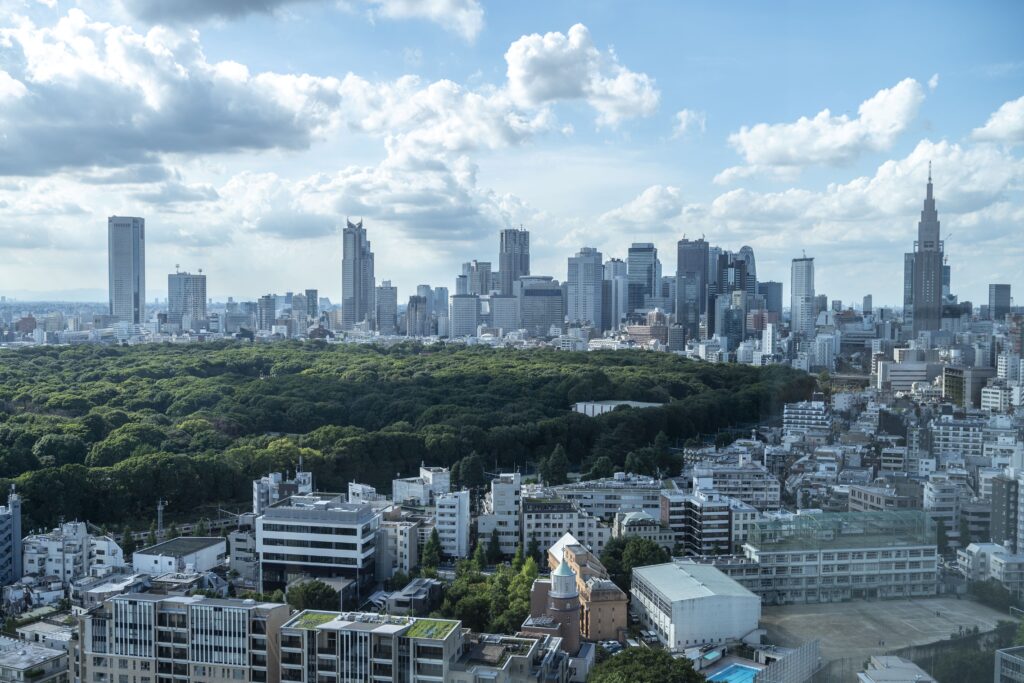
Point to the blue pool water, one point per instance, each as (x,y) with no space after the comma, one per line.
(735,673)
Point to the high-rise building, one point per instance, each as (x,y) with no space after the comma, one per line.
(505,313)
(772,293)
(357,279)
(867,307)
(465,317)
(10,540)
(998,301)
(266,312)
(747,256)
(586,271)
(417,317)
(428,295)
(642,267)
(386,302)
(126,268)
(478,277)
(540,306)
(925,269)
(441,301)
(186,299)
(801,291)
(313,305)
(614,294)
(692,283)
(513,257)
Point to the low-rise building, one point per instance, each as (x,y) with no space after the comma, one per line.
(274,488)
(603,605)
(70,552)
(422,489)
(888,669)
(548,519)
(689,605)
(193,553)
(453,522)
(620,493)
(1010,665)
(643,525)
(746,481)
(21,661)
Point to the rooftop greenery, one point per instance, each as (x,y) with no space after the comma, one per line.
(436,629)
(310,620)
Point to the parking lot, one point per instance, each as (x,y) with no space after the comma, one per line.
(854,629)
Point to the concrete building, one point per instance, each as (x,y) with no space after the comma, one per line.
(357,276)
(548,519)
(505,313)
(10,540)
(319,536)
(555,607)
(501,511)
(69,553)
(513,258)
(541,308)
(585,275)
(690,604)
(273,488)
(186,300)
(453,523)
(888,669)
(392,649)
(400,551)
(422,489)
(801,308)
(465,317)
(999,301)
(126,268)
(605,498)
(603,605)
(153,637)
(806,417)
(748,482)
(643,525)
(386,302)
(27,662)
(1010,665)
(706,521)
(191,553)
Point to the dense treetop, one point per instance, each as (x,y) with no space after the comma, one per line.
(100,433)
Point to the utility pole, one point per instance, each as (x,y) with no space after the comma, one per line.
(160,504)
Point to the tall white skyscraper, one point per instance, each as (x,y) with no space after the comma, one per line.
(186,299)
(357,279)
(126,268)
(801,286)
(586,272)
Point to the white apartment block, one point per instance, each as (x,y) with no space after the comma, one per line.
(548,519)
(401,551)
(423,489)
(707,522)
(964,437)
(453,523)
(806,416)
(30,663)
(997,398)
(358,646)
(148,638)
(985,561)
(70,553)
(621,493)
(501,512)
(318,535)
(748,482)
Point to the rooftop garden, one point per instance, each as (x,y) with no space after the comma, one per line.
(310,620)
(435,629)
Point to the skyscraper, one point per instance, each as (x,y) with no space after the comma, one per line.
(747,256)
(126,268)
(691,284)
(441,301)
(186,299)
(513,257)
(478,277)
(386,301)
(417,317)
(925,265)
(772,293)
(266,312)
(642,267)
(357,280)
(465,316)
(586,272)
(313,305)
(998,301)
(801,291)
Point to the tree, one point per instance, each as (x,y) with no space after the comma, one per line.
(173,531)
(602,468)
(518,558)
(555,468)
(201,528)
(494,553)
(313,595)
(533,550)
(127,541)
(471,471)
(432,550)
(621,555)
(644,665)
(480,556)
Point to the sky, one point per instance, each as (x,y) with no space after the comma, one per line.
(247,131)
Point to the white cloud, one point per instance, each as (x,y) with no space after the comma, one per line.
(10,87)
(688,120)
(558,66)
(464,17)
(829,139)
(933,82)
(1006,124)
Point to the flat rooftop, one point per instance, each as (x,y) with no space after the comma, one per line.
(182,546)
(22,656)
(688,581)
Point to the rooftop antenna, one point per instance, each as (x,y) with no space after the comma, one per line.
(176,268)
(929,171)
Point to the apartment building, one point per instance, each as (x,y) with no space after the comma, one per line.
(26,662)
(806,417)
(621,493)
(501,512)
(422,489)
(70,552)
(319,536)
(879,498)
(274,488)
(643,525)
(349,646)
(400,550)
(746,481)
(705,521)
(547,519)
(10,539)
(453,522)
(149,638)
(963,437)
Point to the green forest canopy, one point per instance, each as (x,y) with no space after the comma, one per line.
(100,433)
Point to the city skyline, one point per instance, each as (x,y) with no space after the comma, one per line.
(637,142)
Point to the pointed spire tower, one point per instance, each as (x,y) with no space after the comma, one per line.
(923,269)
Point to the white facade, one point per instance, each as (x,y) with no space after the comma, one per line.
(748,482)
(453,522)
(126,263)
(422,490)
(546,520)
(70,553)
(801,309)
(501,511)
(273,488)
(621,493)
(586,272)
(195,553)
(690,604)
(465,317)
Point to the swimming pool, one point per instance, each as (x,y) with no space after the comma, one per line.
(735,673)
